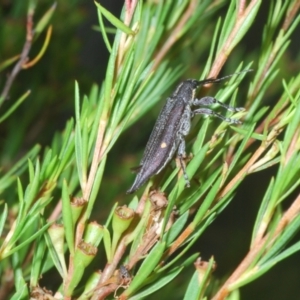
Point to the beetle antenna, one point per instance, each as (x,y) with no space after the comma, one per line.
(217,80)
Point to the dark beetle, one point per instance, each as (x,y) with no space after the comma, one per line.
(172,125)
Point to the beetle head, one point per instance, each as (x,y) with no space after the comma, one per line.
(192,83)
(186,90)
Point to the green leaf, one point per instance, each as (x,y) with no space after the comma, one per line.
(176,228)
(240,150)
(199,281)
(207,184)
(68,218)
(44,21)
(107,244)
(103,31)
(14,106)
(96,187)
(264,206)
(160,282)
(281,242)
(28,241)
(113,20)
(211,196)
(78,138)
(54,255)
(37,262)
(3,218)
(245,25)
(146,268)
(6,63)
(191,169)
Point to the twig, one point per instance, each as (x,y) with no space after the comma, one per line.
(23,58)
(244,171)
(241,7)
(291,15)
(227,47)
(43,50)
(130,6)
(86,190)
(292,147)
(176,34)
(99,150)
(286,219)
(109,270)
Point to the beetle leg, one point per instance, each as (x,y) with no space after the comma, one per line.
(209,112)
(181,155)
(206,101)
(185,125)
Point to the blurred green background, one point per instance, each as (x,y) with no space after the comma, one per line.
(77,52)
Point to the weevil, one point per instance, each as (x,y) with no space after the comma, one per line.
(124,276)
(173,124)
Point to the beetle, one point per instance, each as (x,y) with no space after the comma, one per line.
(173,124)
(124,276)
